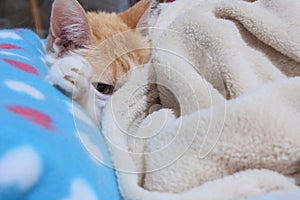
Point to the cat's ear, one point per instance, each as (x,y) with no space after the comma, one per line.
(69,27)
(133,15)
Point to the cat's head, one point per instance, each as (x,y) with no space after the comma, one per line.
(109,41)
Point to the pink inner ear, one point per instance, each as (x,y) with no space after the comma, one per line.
(69,26)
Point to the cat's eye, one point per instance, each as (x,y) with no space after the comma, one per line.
(104,88)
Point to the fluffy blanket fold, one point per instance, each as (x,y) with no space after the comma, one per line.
(226,73)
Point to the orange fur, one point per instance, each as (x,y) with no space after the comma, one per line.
(110,40)
(114,44)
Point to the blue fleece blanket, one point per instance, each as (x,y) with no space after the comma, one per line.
(41,151)
(42,155)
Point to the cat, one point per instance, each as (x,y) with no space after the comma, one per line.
(94,51)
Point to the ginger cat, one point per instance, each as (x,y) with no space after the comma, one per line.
(94,51)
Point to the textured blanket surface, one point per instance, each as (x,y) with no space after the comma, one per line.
(226,73)
(45,138)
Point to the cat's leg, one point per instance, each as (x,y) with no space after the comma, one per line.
(71,75)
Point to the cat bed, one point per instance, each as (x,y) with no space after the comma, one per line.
(49,147)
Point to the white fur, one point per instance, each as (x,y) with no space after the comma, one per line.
(72,73)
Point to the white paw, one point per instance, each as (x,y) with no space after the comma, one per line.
(71,74)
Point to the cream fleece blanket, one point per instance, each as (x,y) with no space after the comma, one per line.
(226,74)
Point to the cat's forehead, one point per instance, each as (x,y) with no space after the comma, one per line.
(105,25)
